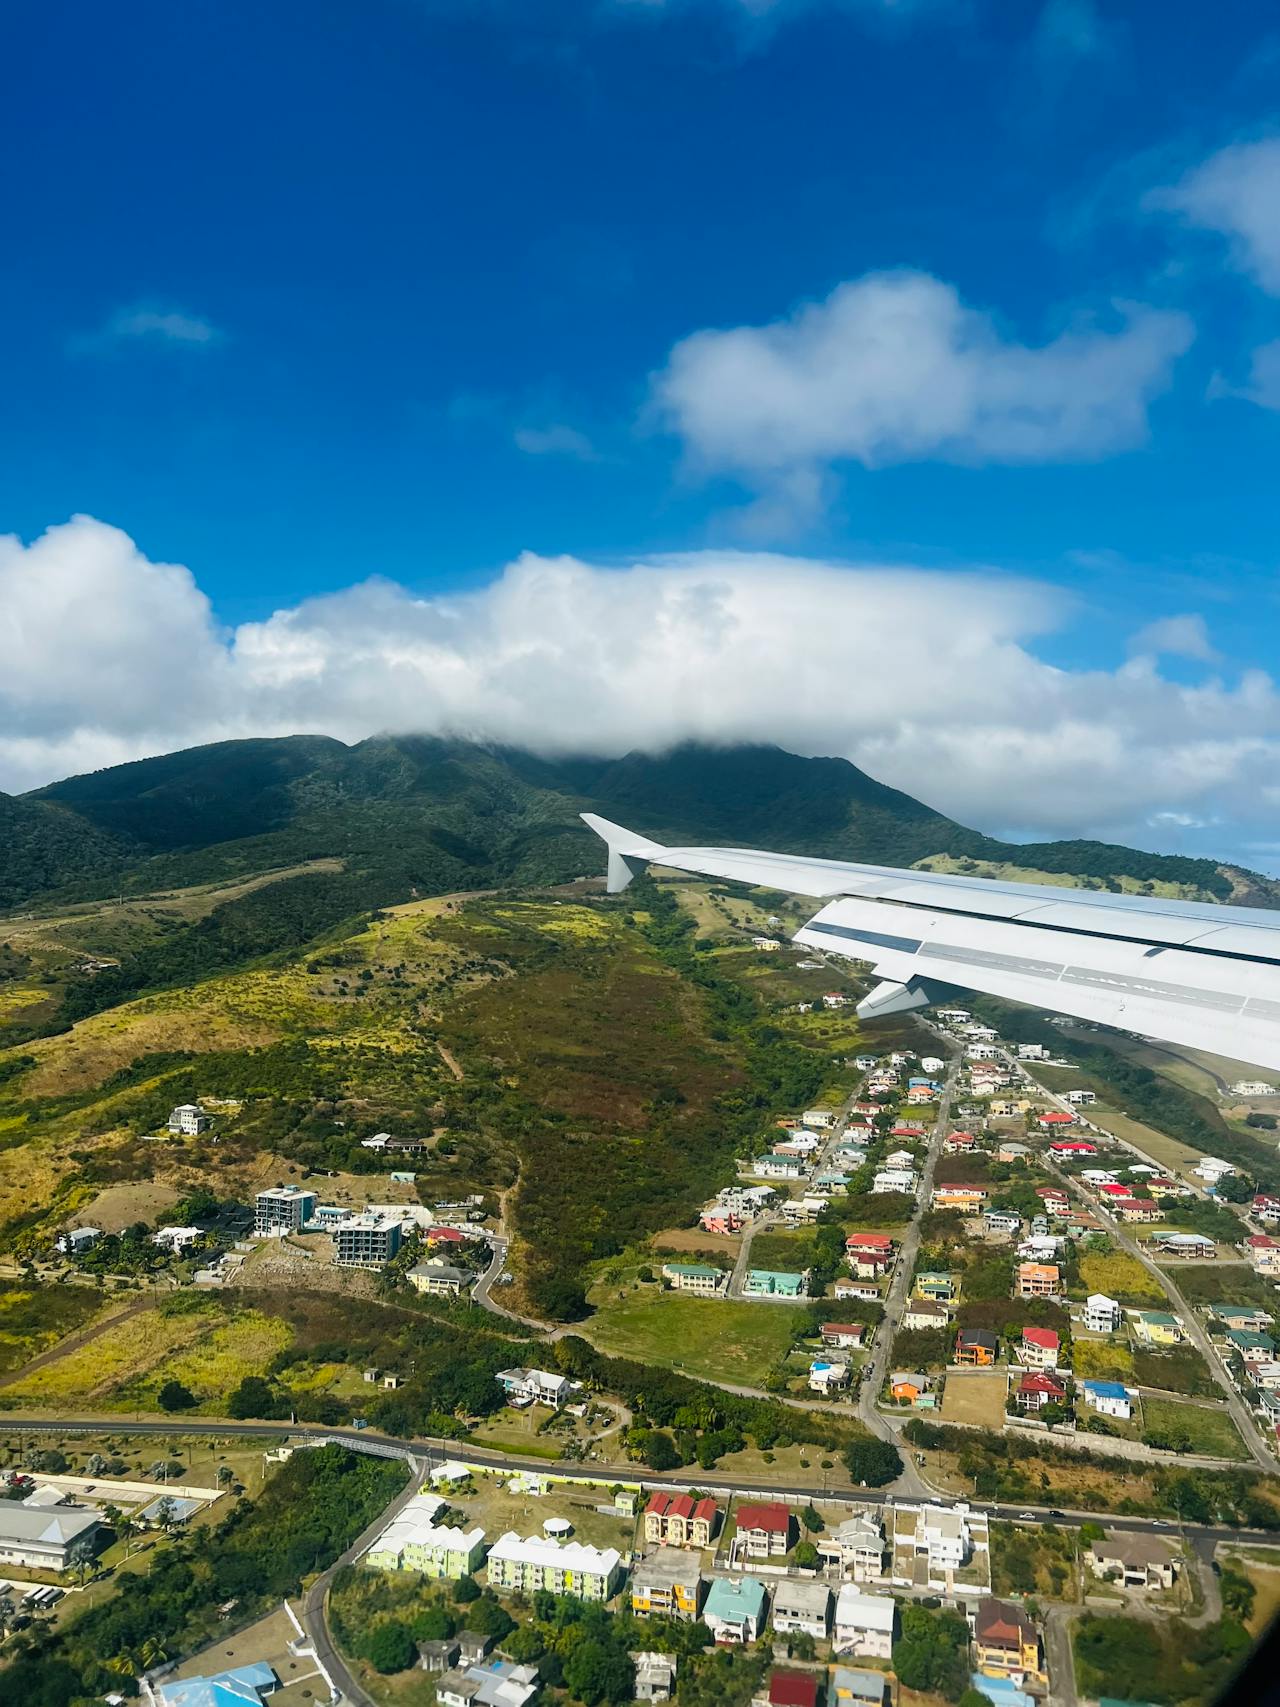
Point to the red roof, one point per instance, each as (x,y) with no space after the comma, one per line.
(1262,1242)
(793,1689)
(1116,1190)
(445,1235)
(858,1328)
(680,1505)
(868,1242)
(771,1516)
(1050,1191)
(1038,1383)
(1043,1337)
(1057,1117)
(1073,1147)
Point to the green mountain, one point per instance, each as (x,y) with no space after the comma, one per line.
(417,813)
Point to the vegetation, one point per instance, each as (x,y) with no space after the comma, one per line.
(307,1513)
(1141,1660)
(932,1652)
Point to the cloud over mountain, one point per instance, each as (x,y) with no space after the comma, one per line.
(930,681)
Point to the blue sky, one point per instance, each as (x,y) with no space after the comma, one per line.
(303,295)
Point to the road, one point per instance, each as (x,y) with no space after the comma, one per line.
(878,1365)
(428,1451)
(1241,1415)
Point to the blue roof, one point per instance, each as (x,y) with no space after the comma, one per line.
(1106,1389)
(1001,1690)
(725,1599)
(242,1686)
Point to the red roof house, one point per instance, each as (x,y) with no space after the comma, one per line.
(445,1236)
(1039,1348)
(1057,1117)
(868,1242)
(793,1689)
(1037,1390)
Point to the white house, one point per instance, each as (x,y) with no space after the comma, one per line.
(539,1384)
(863,1624)
(1109,1398)
(46,1537)
(855,1547)
(894,1180)
(932,1064)
(1212,1168)
(1101,1314)
(78,1240)
(189,1119)
(826,1377)
(176,1238)
(1080,1099)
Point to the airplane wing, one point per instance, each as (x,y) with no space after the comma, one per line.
(1184,971)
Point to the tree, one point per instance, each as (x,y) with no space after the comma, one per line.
(660,1451)
(873,1463)
(489,1617)
(597,1671)
(811,1519)
(805,1555)
(433,1624)
(252,1398)
(465,1590)
(173,1396)
(389,1647)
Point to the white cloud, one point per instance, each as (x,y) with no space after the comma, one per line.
(893,367)
(557,439)
(149,325)
(929,680)
(1176,637)
(1235,192)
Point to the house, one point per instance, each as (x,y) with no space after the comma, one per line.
(1012,1152)
(855,1547)
(238,1686)
(788,1689)
(666,1584)
(735,1609)
(1054,1118)
(764,1528)
(1040,1247)
(1265,1376)
(940,1288)
(534,1384)
(850,1688)
(848,1335)
(800,1143)
(437,1656)
(921,1094)
(1006,1642)
(177,1239)
(1253,1347)
(366,1241)
(562,1567)
(1104,1177)
(1039,1348)
(1051,1196)
(899,1159)
(1263,1252)
(189,1119)
(776,1167)
(856,1289)
(1101,1314)
(967,1199)
(773,1283)
(717,1219)
(820,1118)
(678,1520)
(766,944)
(826,1377)
(1033,1052)
(801,1607)
(693,1277)
(1137,1209)
(1265,1208)
(1111,1188)
(959,1143)
(1241,1316)
(863,1624)
(491,1683)
(976,1348)
(1001,1221)
(835,999)
(1037,1280)
(1108,1398)
(1186,1245)
(894,1180)
(1080,1099)
(47,1537)
(1067,1149)
(78,1240)
(880,1243)
(1156,1327)
(1039,1389)
(907,1386)
(932,1542)
(655,1676)
(1211,1169)
(921,1315)
(1138,1561)
(438,1279)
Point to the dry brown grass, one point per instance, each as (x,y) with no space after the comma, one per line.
(975,1399)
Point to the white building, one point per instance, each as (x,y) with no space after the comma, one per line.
(826,1377)
(189,1119)
(855,1548)
(863,1624)
(535,1384)
(801,1607)
(78,1240)
(894,1180)
(1252,1088)
(932,1064)
(1102,1315)
(1079,1099)
(1212,1168)
(47,1537)
(177,1238)
(529,1563)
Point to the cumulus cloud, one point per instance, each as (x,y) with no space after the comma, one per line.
(1176,637)
(1235,192)
(114,656)
(894,367)
(149,325)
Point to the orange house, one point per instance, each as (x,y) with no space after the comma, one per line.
(907,1387)
(977,1348)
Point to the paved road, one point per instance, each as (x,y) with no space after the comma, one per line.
(1200,1535)
(1058,1658)
(886,1427)
(1241,1415)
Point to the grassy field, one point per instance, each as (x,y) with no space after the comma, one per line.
(1227,1283)
(33,1318)
(975,1399)
(1210,1428)
(1179,1370)
(710,1338)
(1120,1276)
(1101,1360)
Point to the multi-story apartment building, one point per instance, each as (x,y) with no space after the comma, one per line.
(678,1520)
(282,1209)
(366,1241)
(561,1567)
(666,1584)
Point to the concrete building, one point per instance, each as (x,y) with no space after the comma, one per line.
(666,1583)
(366,1241)
(1137,1561)
(414,1543)
(851,1688)
(1037,1280)
(1006,1642)
(921,1314)
(764,1528)
(438,1279)
(562,1567)
(535,1384)
(1102,1315)
(1109,1398)
(678,1520)
(863,1624)
(47,1538)
(696,1277)
(801,1607)
(282,1209)
(490,1683)
(189,1120)
(655,1676)
(855,1548)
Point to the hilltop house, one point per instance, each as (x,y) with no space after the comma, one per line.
(1039,1348)
(1108,1398)
(1101,1314)
(1037,1280)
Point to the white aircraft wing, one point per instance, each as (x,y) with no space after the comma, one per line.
(1185,971)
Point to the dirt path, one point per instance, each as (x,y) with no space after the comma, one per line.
(82,1336)
(451,1061)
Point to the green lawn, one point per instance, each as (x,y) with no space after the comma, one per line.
(1210,1430)
(712,1338)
